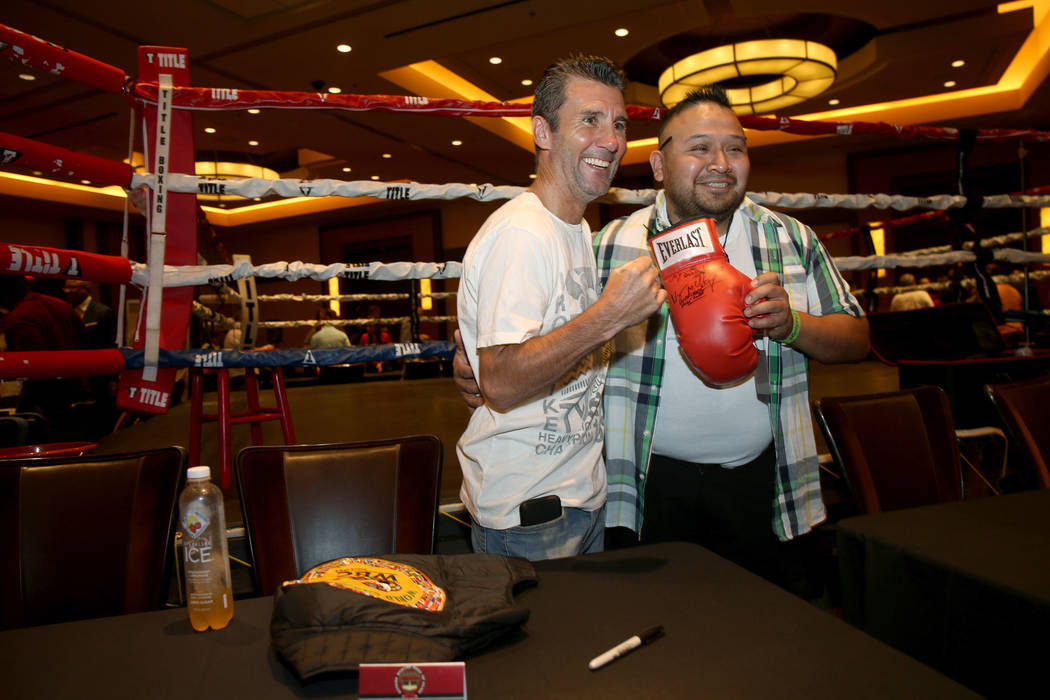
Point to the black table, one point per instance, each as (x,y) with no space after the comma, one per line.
(728,634)
(963,587)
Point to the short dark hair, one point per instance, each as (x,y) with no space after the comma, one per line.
(550,91)
(707,93)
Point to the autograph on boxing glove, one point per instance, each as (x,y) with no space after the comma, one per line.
(706,297)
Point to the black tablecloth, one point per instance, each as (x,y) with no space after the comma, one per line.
(728,634)
(963,587)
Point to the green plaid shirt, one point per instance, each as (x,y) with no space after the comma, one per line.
(780,244)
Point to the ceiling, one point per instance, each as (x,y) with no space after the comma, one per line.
(888,51)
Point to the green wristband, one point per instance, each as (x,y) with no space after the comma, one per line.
(796,328)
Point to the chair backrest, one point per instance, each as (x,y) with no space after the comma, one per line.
(307,504)
(897,449)
(1023,408)
(22,429)
(87,536)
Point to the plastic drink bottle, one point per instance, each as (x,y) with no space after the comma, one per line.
(206,566)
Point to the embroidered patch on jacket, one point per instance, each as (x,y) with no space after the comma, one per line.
(393,582)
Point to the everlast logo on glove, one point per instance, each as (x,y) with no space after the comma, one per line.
(706,297)
(678,244)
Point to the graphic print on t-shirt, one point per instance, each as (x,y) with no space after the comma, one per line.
(572,413)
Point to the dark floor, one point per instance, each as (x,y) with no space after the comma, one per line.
(393,406)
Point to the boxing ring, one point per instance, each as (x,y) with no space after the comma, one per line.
(164,102)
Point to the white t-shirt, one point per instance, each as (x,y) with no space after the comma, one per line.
(909,301)
(525,273)
(700,423)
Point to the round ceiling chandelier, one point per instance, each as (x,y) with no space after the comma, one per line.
(778,73)
(223,170)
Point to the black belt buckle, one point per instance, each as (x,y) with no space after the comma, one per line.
(536,511)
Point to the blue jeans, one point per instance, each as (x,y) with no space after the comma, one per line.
(575,532)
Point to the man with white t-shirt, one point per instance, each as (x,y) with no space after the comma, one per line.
(535,327)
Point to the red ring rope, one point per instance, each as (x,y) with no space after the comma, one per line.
(34,52)
(51,364)
(38,260)
(207,99)
(62,162)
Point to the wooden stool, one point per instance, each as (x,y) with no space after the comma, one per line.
(255,414)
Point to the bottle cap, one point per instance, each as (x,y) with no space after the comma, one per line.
(198,473)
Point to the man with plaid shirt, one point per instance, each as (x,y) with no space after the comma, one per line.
(733,469)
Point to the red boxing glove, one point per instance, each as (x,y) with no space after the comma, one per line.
(706,296)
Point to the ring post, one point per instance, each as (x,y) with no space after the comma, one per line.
(169,148)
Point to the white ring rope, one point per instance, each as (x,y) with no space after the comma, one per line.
(893,201)
(407,191)
(401,191)
(984,242)
(1011,255)
(193,275)
(852,263)
(1020,257)
(1013,278)
(224,299)
(803,200)
(355,321)
(352,297)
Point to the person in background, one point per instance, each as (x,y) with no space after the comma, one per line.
(36,321)
(326,335)
(100,321)
(914,299)
(375,335)
(100,325)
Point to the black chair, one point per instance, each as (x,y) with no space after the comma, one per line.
(1023,407)
(22,429)
(897,449)
(88,536)
(307,504)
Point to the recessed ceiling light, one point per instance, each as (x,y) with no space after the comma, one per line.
(375,177)
(27,76)
(253,142)
(85,182)
(334,90)
(256,199)
(209,130)
(622,31)
(949,83)
(37,172)
(387,155)
(833,101)
(495,60)
(532,176)
(253,110)
(457,142)
(343,48)
(526,82)
(958,63)
(346,170)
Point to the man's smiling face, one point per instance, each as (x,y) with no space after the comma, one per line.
(590,139)
(702,163)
